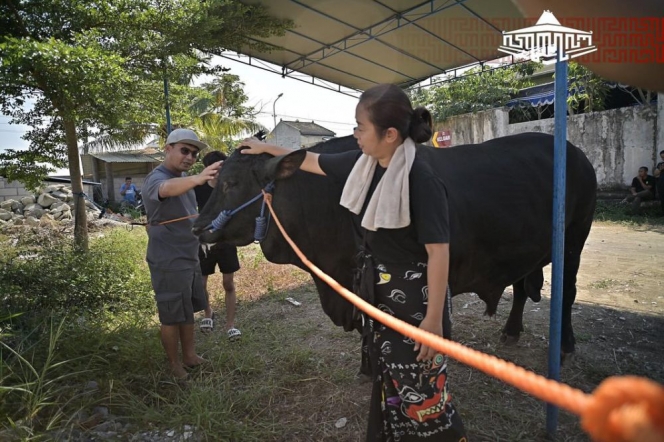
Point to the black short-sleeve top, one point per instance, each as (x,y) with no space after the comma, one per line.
(428,210)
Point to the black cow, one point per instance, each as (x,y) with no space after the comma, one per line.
(500,203)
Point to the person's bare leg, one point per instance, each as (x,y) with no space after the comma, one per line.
(229,288)
(170,337)
(189,356)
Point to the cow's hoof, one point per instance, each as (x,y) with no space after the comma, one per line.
(509,340)
(362,378)
(566,357)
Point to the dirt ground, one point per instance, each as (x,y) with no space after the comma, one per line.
(618,320)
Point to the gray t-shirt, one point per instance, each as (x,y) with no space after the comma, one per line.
(171,246)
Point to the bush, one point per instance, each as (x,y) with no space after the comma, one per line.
(43,277)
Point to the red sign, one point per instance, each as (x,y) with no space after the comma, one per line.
(442,138)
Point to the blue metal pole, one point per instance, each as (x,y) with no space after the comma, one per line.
(558,240)
(168,108)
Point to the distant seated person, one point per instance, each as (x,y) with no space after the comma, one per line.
(659,176)
(642,189)
(128,191)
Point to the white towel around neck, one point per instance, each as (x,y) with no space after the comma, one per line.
(389,207)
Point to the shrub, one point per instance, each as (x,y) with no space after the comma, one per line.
(51,276)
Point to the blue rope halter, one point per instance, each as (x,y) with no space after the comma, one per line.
(260,231)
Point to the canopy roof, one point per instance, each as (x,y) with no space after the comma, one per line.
(350,46)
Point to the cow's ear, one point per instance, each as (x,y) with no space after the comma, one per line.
(284,166)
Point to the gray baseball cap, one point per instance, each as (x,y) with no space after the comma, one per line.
(185,136)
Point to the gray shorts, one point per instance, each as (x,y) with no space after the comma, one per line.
(179,294)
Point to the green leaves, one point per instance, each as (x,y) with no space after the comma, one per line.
(477,90)
(101,63)
(587,91)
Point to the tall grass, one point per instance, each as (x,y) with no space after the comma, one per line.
(107,335)
(56,303)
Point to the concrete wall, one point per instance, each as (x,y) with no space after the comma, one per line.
(286,136)
(310,140)
(477,127)
(14,190)
(617,142)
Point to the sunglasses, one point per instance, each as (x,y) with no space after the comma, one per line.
(184,151)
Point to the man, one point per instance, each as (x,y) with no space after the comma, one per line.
(659,175)
(642,189)
(223,255)
(128,191)
(172,253)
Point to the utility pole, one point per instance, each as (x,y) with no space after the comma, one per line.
(274,107)
(168,108)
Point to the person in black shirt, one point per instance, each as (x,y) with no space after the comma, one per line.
(642,189)
(659,176)
(400,216)
(222,255)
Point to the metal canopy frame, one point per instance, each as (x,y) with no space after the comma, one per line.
(350,46)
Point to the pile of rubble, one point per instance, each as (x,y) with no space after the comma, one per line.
(51,206)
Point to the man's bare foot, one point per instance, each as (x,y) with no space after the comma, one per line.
(178,371)
(194,362)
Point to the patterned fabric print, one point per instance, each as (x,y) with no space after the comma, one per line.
(415,404)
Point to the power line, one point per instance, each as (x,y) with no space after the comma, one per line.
(309,119)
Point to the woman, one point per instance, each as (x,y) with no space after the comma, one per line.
(399,210)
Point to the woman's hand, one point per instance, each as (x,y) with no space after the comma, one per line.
(255,146)
(432,325)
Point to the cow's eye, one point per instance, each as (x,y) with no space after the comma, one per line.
(228,185)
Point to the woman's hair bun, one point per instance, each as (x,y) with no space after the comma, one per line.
(421,125)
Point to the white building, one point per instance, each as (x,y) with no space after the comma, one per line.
(298,134)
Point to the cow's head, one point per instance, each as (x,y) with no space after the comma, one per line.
(242,177)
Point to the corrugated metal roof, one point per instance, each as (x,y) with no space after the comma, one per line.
(66,179)
(129,157)
(358,44)
(310,128)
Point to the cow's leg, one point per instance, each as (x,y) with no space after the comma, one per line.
(514,325)
(575,238)
(572,262)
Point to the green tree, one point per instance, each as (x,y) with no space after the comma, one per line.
(222,114)
(98,65)
(587,90)
(216,110)
(475,91)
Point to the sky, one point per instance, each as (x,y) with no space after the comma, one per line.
(300,100)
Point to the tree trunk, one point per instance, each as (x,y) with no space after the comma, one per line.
(80,214)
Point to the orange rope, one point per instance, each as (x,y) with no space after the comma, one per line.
(622,409)
(178,219)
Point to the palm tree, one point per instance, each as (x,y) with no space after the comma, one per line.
(222,133)
(220,116)
(215,110)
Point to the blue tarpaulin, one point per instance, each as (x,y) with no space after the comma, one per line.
(536,96)
(542,94)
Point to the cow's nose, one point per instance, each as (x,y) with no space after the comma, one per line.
(197,230)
